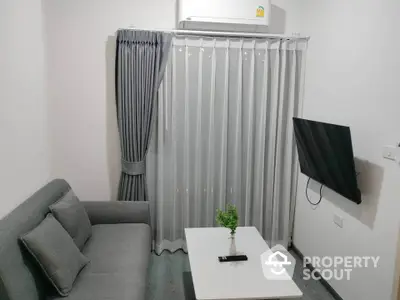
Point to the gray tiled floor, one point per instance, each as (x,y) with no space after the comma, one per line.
(165,280)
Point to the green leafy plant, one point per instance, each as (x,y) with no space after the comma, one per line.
(228,218)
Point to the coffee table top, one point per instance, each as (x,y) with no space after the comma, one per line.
(232,280)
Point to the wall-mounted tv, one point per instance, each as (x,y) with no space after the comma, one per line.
(326,155)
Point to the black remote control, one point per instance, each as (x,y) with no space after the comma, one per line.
(232,258)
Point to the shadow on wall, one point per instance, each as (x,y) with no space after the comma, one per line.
(278,20)
(112,135)
(369,182)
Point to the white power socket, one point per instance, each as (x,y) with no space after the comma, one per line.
(391,152)
(338,220)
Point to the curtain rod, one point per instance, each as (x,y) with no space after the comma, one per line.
(225,33)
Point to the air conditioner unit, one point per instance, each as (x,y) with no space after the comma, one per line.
(225,15)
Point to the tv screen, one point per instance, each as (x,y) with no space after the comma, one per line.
(326,155)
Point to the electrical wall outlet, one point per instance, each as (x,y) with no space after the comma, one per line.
(390,152)
(338,220)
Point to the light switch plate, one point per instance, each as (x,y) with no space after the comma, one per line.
(338,220)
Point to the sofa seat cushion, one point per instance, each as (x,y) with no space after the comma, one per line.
(119,257)
(107,287)
(119,248)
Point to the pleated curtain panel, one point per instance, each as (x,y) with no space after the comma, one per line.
(141,57)
(224,134)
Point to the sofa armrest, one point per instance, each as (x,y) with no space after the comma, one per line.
(114,212)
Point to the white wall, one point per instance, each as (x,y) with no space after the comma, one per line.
(81,67)
(24,147)
(84,136)
(353,79)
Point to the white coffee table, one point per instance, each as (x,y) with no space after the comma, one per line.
(232,280)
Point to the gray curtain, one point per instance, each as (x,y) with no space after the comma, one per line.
(141,57)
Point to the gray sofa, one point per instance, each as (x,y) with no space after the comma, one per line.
(119,250)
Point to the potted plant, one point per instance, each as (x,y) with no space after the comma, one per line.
(228,218)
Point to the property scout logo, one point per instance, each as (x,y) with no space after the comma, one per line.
(337,267)
(278,264)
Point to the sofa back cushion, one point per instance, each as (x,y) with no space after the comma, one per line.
(20,276)
(71,214)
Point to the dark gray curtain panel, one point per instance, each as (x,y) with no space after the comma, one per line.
(141,57)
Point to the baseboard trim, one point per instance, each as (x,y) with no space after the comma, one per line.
(311,268)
